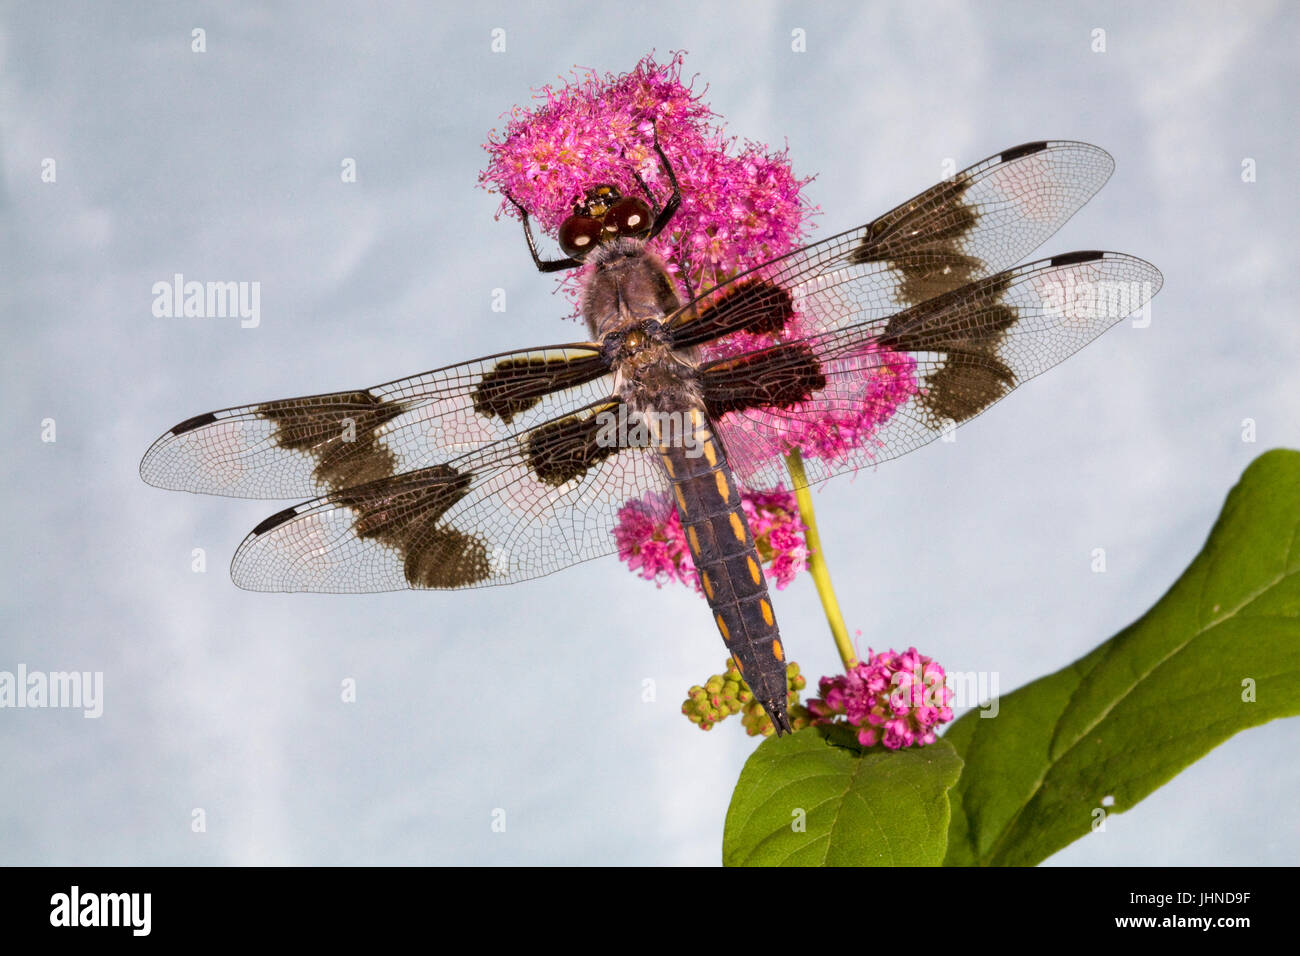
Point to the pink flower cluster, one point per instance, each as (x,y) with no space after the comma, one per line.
(740,203)
(893,699)
(863,391)
(652,541)
(881,382)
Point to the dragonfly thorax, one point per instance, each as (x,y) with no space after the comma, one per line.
(629,285)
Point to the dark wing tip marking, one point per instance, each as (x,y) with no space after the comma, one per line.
(1025,149)
(1070,258)
(277,519)
(198,421)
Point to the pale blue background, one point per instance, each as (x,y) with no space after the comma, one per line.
(225,165)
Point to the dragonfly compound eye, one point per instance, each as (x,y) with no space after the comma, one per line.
(628,217)
(579,235)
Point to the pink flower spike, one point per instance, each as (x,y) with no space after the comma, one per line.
(740,206)
(885,698)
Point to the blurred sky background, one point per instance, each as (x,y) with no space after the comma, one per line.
(225,165)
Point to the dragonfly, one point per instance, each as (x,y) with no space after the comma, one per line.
(516,465)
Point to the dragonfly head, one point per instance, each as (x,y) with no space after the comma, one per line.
(603,215)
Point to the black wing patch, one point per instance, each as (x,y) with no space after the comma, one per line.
(922,239)
(340,431)
(562,450)
(753,305)
(403,513)
(516,385)
(780,377)
(967,325)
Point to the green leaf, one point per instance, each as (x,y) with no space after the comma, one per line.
(856,808)
(1219,653)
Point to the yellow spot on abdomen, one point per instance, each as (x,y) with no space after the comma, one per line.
(668,466)
(739,666)
(708,585)
(767,615)
(696,418)
(737,526)
(722,627)
(754,573)
(710,454)
(724,492)
(778,650)
(681,498)
(694,540)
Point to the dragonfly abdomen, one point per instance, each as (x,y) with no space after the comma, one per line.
(727,561)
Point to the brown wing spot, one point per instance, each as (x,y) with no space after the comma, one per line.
(766,608)
(779,377)
(404,512)
(965,386)
(447,558)
(724,492)
(754,572)
(338,430)
(708,585)
(921,239)
(568,448)
(515,385)
(722,628)
(778,650)
(737,526)
(969,326)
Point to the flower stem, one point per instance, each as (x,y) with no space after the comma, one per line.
(817,563)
